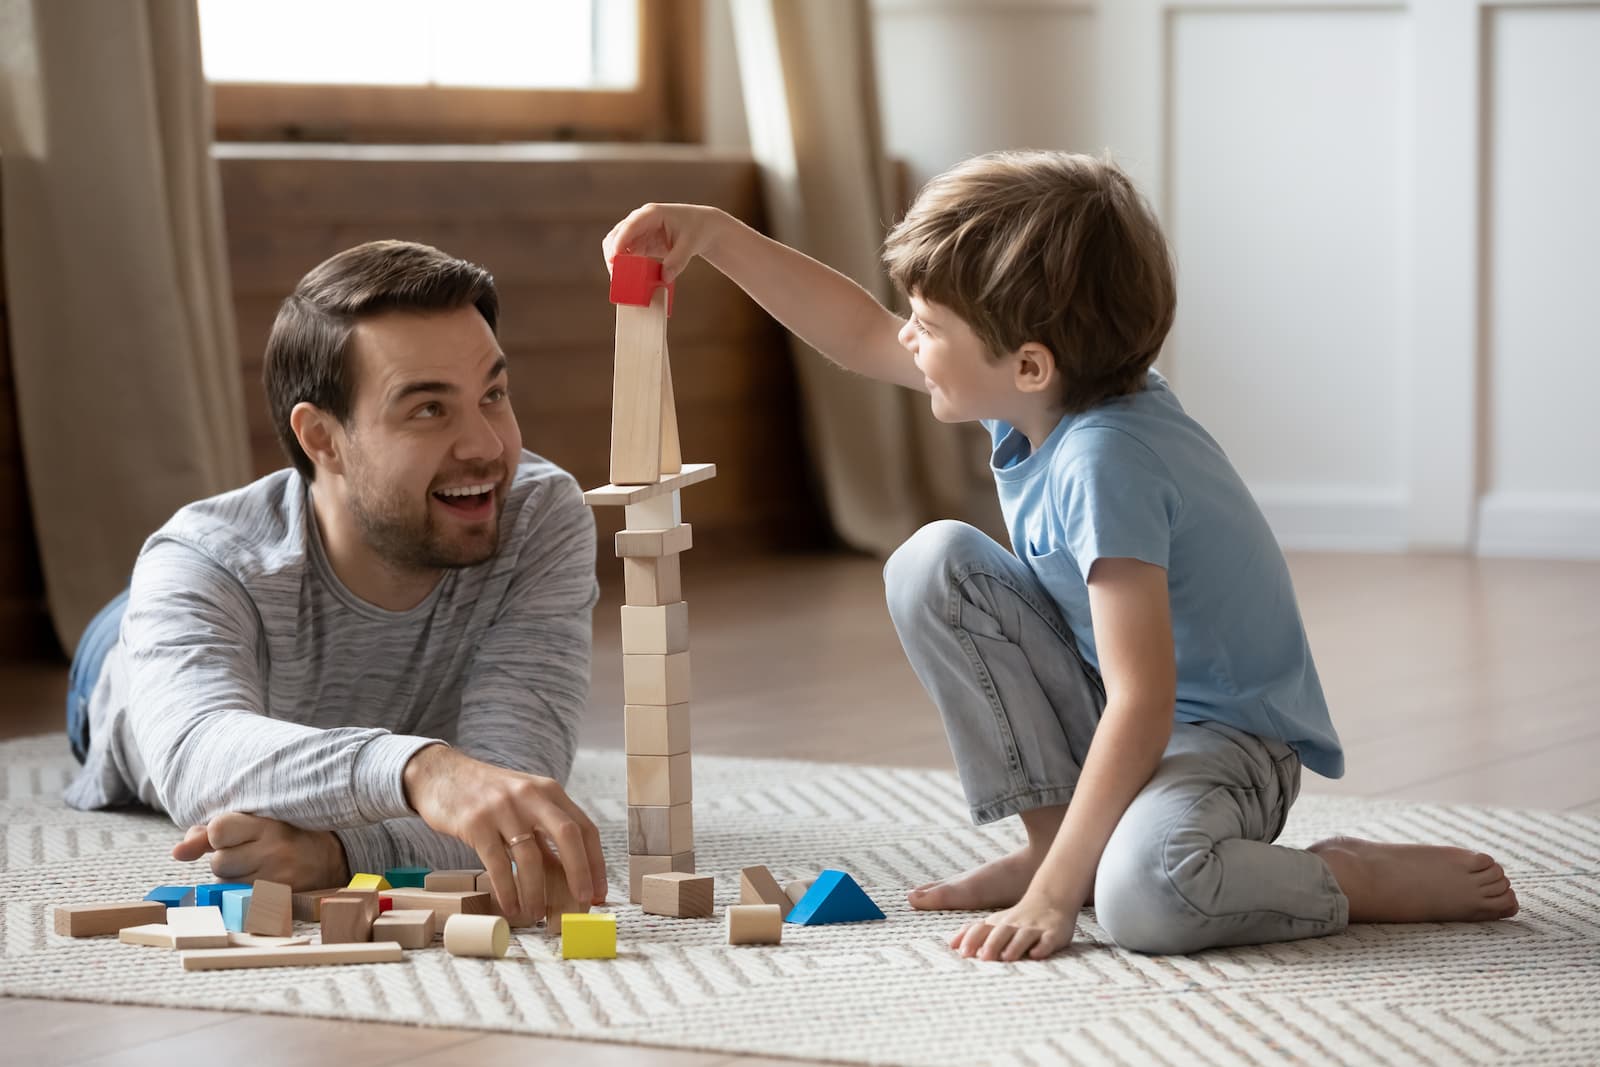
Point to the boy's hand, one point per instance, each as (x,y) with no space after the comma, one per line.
(1036,926)
(672,233)
(245,848)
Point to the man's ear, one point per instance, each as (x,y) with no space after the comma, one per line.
(320,435)
(1035,368)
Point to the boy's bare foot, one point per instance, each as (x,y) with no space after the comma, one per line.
(1417,883)
(997,884)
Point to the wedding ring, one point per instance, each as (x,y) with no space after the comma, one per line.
(519,839)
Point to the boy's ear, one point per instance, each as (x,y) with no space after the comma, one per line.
(1035,368)
(320,436)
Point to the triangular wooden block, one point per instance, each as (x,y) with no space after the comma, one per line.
(833,898)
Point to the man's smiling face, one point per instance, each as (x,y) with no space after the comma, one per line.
(431,441)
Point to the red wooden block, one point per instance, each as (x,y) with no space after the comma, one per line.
(635,279)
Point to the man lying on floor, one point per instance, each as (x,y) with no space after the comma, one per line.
(379,656)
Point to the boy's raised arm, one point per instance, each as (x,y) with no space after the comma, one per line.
(822,307)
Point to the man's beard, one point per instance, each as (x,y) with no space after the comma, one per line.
(411,540)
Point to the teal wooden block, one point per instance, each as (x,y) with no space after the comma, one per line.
(833,898)
(173,896)
(407,877)
(210,896)
(235,906)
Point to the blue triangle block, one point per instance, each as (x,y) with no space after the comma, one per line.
(833,898)
(173,896)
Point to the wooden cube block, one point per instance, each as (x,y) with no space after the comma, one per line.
(757,886)
(346,920)
(89,920)
(271,912)
(459,881)
(589,937)
(558,898)
(411,928)
(441,903)
(677,893)
(369,881)
(406,877)
(647,580)
(197,928)
(156,935)
(652,543)
(307,904)
(659,680)
(659,630)
(755,924)
(659,781)
(235,902)
(659,512)
(477,935)
(375,904)
(655,729)
(639,866)
(660,831)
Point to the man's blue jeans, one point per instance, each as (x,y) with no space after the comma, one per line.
(97,640)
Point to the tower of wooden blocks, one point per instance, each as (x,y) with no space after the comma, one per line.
(647,473)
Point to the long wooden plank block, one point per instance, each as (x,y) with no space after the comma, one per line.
(622,495)
(223,959)
(90,920)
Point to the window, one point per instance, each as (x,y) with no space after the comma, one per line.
(452,70)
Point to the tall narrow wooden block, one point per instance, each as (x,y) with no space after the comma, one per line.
(658,831)
(656,513)
(655,729)
(636,392)
(659,680)
(655,630)
(668,542)
(271,911)
(680,894)
(659,781)
(652,580)
(639,866)
(88,920)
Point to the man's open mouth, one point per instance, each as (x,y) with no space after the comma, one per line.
(467,500)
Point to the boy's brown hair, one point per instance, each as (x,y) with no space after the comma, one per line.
(308,357)
(1047,247)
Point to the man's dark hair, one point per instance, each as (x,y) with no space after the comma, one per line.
(307,356)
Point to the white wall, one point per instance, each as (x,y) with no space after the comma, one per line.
(1387,223)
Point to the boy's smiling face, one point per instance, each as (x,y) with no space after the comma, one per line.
(964,380)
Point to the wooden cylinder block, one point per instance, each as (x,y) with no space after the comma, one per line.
(477,935)
(755,924)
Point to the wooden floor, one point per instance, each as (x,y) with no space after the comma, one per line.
(1451,679)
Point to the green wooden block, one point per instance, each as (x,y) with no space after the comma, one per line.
(406,877)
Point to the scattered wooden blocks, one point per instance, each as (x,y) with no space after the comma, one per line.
(197,927)
(658,630)
(834,898)
(655,731)
(347,920)
(271,910)
(295,956)
(660,781)
(173,896)
(458,881)
(640,866)
(307,906)
(210,896)
(373,882)
(156,935)
(408,929)
(757,886)
(755,924)
(91,920)
(477,935)
(264,941)
(406,877)
(441,903)
(235,902)
(589,937)
(658,831)
(678,894)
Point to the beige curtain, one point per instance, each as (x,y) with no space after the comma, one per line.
(127,376)
(810,95)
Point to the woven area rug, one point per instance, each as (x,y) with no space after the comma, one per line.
(1520,991)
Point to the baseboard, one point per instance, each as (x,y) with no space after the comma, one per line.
(1335,520)
(1539,525)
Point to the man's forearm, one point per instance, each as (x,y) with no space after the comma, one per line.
(1124,754)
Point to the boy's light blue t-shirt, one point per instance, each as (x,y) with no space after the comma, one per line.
(1137,477)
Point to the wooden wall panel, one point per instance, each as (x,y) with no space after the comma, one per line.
(535,218)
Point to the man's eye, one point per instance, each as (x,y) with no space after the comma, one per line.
(429,411)
(495,395)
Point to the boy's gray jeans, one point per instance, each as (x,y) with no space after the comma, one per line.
(1191,864)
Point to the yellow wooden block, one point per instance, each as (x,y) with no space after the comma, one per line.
(658,680)
(652,580)
(369,881)
(655,729)
(658,630)
(660,781)
(589,937)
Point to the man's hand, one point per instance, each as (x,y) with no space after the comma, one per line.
(1036,926)
(489,807)
(247,847)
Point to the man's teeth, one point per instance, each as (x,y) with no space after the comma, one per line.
(468,490)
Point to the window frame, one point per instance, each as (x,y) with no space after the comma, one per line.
(664,106)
